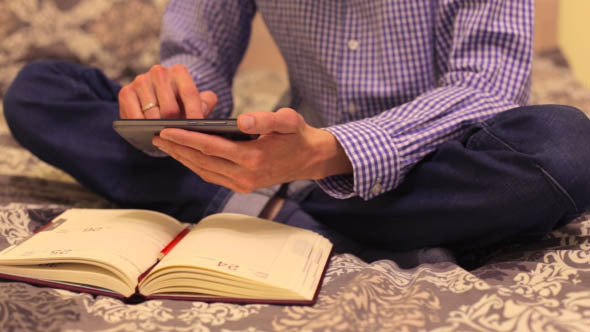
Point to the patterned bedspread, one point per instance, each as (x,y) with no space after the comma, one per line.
(524,287)
(521,286)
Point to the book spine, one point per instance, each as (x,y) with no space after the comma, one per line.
(146,272)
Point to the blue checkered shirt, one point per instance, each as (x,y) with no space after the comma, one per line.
(391,79)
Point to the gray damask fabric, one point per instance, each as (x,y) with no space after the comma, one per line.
(523,286)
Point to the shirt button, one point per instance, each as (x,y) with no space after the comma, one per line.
(376,190)
(351,108)
(353,44)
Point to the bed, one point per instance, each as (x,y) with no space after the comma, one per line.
(519,286)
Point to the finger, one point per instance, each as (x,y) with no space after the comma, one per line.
(209,145)
(218,179)
(162,82)
(197,158)
(129,107)
(188,93)
(191,160)
(284,121)
(142,85)
(209,99)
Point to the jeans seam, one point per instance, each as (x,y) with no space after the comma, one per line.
(559,187)
(471,137)
(222,195)
(543,171)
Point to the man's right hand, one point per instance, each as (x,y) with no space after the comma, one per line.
(165,93)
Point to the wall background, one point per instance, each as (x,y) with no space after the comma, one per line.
(546,24)
(574,37)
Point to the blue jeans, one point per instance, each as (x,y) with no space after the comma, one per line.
(521,173)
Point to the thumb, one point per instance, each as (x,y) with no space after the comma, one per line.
(284,121)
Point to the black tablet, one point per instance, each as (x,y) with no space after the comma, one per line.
(140,133)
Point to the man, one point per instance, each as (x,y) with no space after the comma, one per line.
(423,140)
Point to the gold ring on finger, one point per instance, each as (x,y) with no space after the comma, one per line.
(149,107)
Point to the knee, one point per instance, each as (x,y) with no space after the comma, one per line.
(557,139)
(35,84)
(22,90)
(564,150)
(34,73)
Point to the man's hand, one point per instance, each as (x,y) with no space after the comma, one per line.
(165,93)
(288,149)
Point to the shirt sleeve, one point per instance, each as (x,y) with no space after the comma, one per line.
(483,57)
(209,38)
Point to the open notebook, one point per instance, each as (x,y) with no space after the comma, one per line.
(138,254)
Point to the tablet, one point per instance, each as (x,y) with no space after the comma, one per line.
(139,133)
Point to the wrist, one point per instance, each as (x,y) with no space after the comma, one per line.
(327,156)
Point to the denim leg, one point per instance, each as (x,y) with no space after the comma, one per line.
(63,113)
(523,172)
(557,137)
(292,214)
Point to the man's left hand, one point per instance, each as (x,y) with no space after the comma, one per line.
(287,149)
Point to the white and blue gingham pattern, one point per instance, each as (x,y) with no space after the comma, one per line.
(391,79)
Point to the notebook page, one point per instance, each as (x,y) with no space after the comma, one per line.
(130,240)
(252,248)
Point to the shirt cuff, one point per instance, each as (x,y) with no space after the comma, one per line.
(374,159)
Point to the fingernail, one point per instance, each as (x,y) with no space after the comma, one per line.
(204,108)
(164,134)
(247,122)
(159,145)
